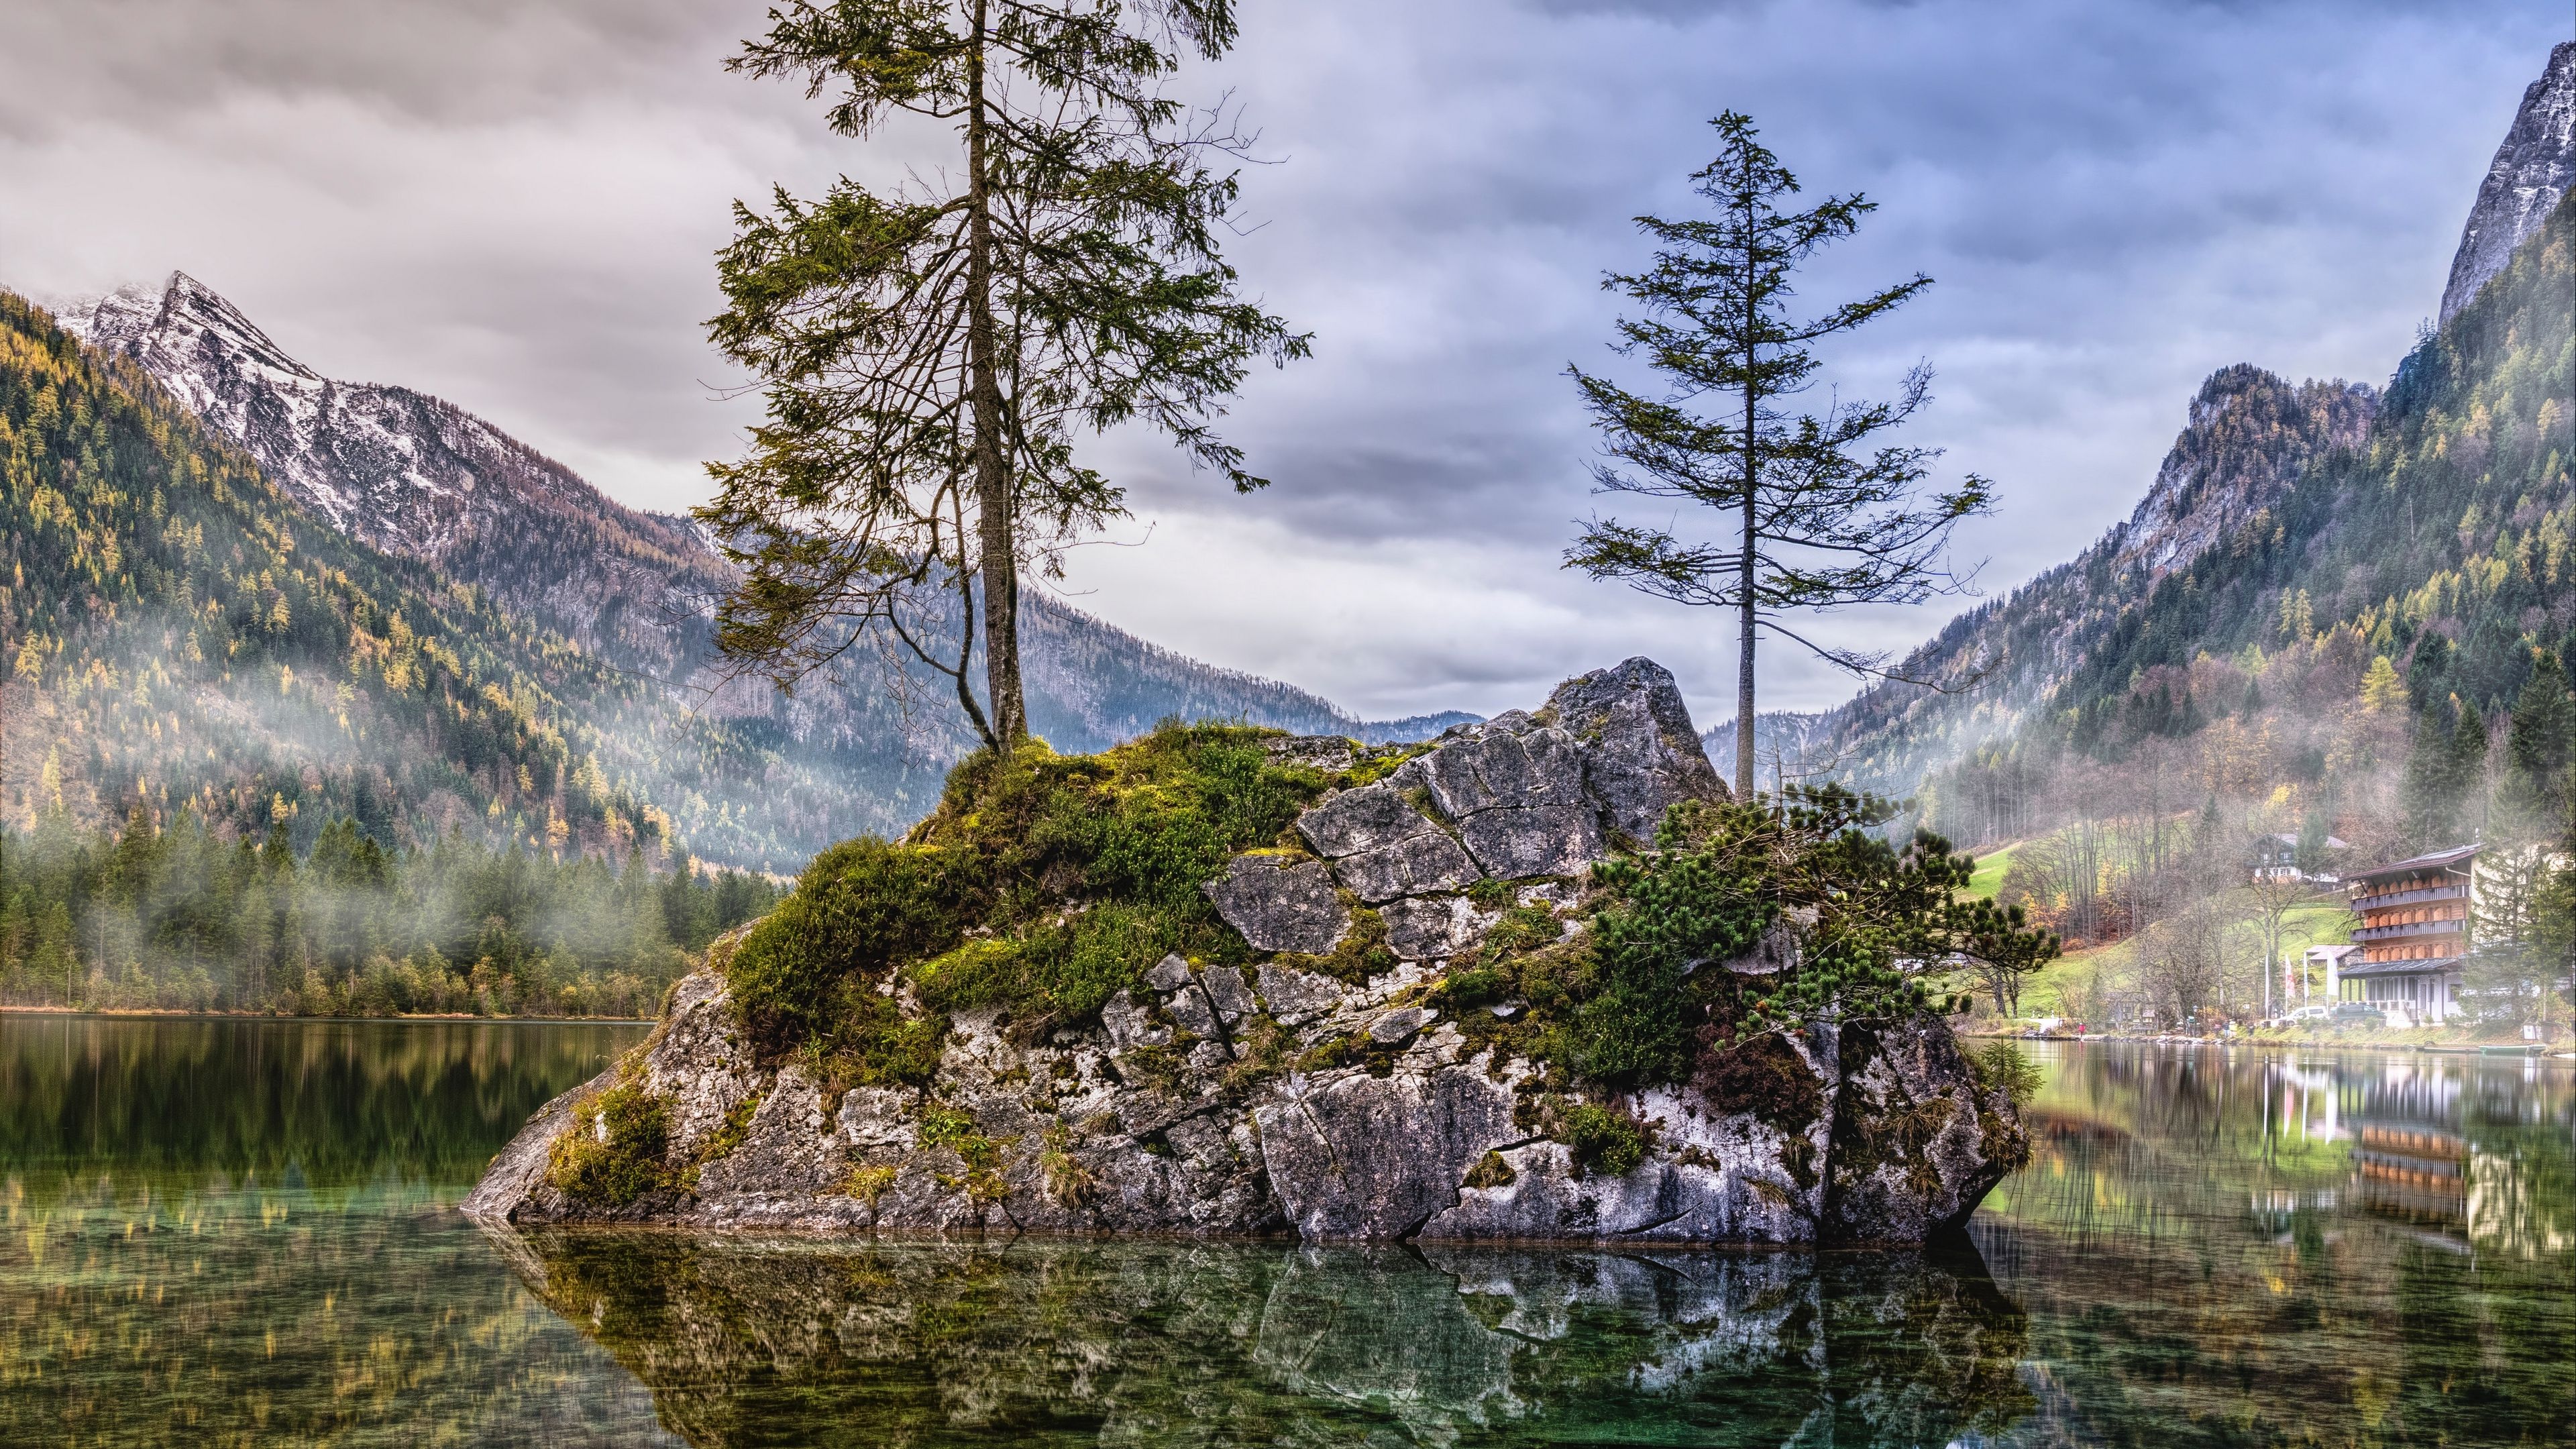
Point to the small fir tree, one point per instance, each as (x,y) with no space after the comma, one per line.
(1814,520)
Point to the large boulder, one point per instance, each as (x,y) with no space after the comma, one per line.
(1641,753)
(1917,1141)
(1382,847)
(1515,791)
(1370,1158)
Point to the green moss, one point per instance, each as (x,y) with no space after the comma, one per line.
(867,1184)
(630,1161)
(1363,951)
(1490,1171)
(1055,974)
(941,1124)
(1075,872)
(1067,1180)
(1467,990)
(1603,1141)
(1522,928)
(860,909)
(727,1137)
(1357,1049)
(1377,764)
(1158,1067)
(944,1126)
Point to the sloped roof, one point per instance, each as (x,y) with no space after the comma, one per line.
(2414,865)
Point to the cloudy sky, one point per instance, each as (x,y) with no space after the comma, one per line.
(512,203)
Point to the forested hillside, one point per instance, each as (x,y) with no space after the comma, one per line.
(2247,438)
(2421,578)
(179,637)
(180,918)
(750,778)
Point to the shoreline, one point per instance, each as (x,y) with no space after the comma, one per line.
(2498,1051)
(163,1013)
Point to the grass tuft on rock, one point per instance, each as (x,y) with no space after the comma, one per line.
(615,1149)
(1603,1141)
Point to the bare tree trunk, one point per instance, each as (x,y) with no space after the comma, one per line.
(1000,558)
(1744,591)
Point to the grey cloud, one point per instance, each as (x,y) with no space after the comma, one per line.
(513,203)
(461,62)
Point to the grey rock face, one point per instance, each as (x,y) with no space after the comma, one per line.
(1126,1025)
(1400,1025)
(1374,1158)
(1423,928)
(1189,1006)
(2532,170)
(1525,795)
(1382,848)
(1641,753)
(1915,1146)
(1518,801)
(516,1180)
(1281,906)
(1314,752)
(1297,997)
(1229,993)
(1713,1176)
(1084,1135)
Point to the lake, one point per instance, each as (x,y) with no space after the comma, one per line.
(240,1232)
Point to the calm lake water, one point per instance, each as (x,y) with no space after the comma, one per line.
(244,1233)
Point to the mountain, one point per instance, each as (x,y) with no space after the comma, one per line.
(2245,440)
(2533,168)
(765,780)
(2280,514)
(180,635)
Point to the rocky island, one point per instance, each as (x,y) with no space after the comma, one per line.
(1537,980)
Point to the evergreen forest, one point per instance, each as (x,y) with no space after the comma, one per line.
(181,919)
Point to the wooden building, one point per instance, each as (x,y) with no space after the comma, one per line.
(2414,933)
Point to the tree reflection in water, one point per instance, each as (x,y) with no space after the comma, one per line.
(779,1342)
(2209,1248)
(2336,1248)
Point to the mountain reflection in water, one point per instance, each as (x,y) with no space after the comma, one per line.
(775,1342)
(244,1233)
(2209,1248)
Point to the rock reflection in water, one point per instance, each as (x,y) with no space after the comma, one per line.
(772,1342)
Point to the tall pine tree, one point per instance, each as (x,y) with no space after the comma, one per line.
(1808,519)
(932,348)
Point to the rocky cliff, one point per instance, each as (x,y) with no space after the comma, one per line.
(1355,1063)
(2532,169)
